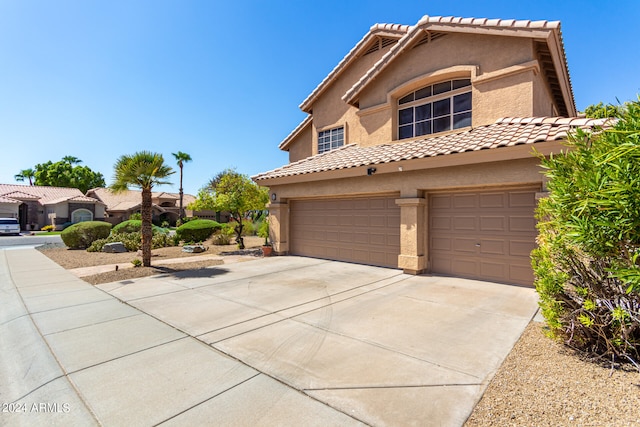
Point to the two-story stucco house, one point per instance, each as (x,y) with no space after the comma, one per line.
(417,149)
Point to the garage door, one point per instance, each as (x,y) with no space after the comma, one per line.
(483,235)
(362,230)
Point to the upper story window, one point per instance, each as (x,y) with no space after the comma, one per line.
(435,108)
(330,139)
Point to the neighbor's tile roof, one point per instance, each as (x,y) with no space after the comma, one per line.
(505,132)
(80,198)
(8,200)
(130,199)
(44,194)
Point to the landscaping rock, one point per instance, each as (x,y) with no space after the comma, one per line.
(193,249)
(114,248)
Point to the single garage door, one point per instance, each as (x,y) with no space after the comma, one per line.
(485,235)
(364,230)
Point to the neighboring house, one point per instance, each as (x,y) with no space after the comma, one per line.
(37,206)
(166,206)
(406,159)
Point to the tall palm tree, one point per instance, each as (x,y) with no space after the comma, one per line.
(142,170)
(72,160)
(25,174)
(181,158)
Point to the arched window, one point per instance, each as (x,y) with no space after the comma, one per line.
(81,215)
(435,108)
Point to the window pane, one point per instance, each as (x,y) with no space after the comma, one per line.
(462,102)
(441,108)
(461,120)
(406,116)
(406,99)
(423,112)
(457,84)
(423,128)
(442,124)
(442,87)
(405,132)
(423,93)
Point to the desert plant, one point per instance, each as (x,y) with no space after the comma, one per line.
(136,262)
(83,234)
(136,216)
(198,230)
(587,265)
(263,231)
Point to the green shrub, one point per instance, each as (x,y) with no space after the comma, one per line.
(136,216)
(129,226)
(132,241)
(263,231)
(136,262)
(83,234)
(133,226)
(197,230)
(248,229)
(587,264)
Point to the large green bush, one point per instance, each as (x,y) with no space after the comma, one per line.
(197,230)
(133,226)
(587,265)
(83,234)
(132,241)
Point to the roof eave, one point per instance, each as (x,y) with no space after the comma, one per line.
(284,145)
(537,31)
(388,30)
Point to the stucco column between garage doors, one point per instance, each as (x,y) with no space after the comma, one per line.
(413,250)
(278,226)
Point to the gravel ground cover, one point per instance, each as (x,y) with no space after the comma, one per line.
(69,259)
(541,383)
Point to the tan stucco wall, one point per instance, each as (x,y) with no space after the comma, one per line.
(488,53)
(506,82)
(301,147)
(9,210)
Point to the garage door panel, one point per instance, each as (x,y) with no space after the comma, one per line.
(524,199)
(463,245)
(521,247)
(465,201)
(492,200)
(493,247)
(493,223)
(364,230)
(485,235)
(464,223)
(522,223)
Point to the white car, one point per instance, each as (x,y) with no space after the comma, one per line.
(9,226)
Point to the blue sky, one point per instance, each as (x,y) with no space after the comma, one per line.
(222,81)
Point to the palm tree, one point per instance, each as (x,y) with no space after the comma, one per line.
(142,170)
(25,174)
(181,158)
(72,160)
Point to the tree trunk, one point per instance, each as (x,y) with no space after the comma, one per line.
(239,227)
(147,232)
(181,211)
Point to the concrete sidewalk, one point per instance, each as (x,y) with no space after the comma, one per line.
(276,341)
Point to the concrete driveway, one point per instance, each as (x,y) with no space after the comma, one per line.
(275,341)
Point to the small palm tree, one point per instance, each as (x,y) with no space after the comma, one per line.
(142,170)
(25,174)
(181,158)
(72,160)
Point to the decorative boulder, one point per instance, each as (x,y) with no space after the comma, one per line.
(194,249)
(114,248)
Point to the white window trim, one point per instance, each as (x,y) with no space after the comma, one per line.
(329,129)
(81,210)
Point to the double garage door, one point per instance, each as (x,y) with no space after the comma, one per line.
(364,230)
(483,235)
(486,235)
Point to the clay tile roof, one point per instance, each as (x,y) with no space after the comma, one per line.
(453,24)
(505,132)
(79,198)
(36,192)
(8,200)
(391,30)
